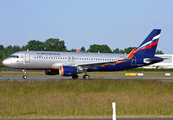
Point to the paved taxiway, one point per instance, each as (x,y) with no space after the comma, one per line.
(125,119)
(108,119)
(117,119)
(20,78)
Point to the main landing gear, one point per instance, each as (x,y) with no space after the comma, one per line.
(25,74)
(75,76)
(87,77)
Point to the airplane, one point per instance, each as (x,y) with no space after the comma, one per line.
(74,63)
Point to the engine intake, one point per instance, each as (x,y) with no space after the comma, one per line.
(67,71)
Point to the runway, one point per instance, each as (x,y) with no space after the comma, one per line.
(116,119)
(125,119)
(43,78)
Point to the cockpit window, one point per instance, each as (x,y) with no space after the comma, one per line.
(14,56)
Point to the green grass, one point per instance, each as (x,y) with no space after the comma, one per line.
(85,98)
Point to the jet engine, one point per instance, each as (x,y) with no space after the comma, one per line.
(51,72)
(68,71)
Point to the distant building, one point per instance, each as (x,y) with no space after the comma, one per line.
(166,64)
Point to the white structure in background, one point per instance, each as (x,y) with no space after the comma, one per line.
(166,64)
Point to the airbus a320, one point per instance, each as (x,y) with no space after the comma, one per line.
(74,63)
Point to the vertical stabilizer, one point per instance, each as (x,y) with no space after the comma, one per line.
(149,45)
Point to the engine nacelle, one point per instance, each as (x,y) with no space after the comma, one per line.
(51,72)
(67,71)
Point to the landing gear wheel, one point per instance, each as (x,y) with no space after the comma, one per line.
(87,77)
(75,76)
(24,77)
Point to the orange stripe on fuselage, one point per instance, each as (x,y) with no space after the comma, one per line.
(114,63)
(130,56)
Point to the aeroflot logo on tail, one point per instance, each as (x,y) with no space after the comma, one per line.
(149,44)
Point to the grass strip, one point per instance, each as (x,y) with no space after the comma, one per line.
(68,98)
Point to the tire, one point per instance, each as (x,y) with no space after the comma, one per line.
(24,77)
(75,76)
(87,77)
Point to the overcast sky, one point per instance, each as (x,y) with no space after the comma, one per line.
(116,23)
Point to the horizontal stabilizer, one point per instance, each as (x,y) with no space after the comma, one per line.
(148,60)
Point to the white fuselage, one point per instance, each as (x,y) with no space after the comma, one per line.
(54,60)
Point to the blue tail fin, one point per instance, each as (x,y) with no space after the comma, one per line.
(149,45)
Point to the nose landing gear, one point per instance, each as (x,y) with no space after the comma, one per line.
(25,74)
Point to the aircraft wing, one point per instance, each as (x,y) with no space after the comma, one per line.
(99,64)
(89,64)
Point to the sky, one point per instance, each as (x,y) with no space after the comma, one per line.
(116,23)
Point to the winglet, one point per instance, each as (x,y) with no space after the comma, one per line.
(78,50)
(131,53)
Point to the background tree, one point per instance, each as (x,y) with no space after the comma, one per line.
(72,50)
(117,50)
(23,48)
(52,44)
(128,50)
(1,47)
(159,52)
(35,45)
(15,48)
(1,52)
(99,48)
(8,51)
(122,51)
(82,49)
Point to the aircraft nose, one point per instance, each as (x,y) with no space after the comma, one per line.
(6,62)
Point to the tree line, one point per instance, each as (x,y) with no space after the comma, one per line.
(55,44)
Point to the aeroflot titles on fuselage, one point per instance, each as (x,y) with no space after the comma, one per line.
(54,55)
(48,54)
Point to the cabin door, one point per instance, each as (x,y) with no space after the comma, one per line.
(27,57)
